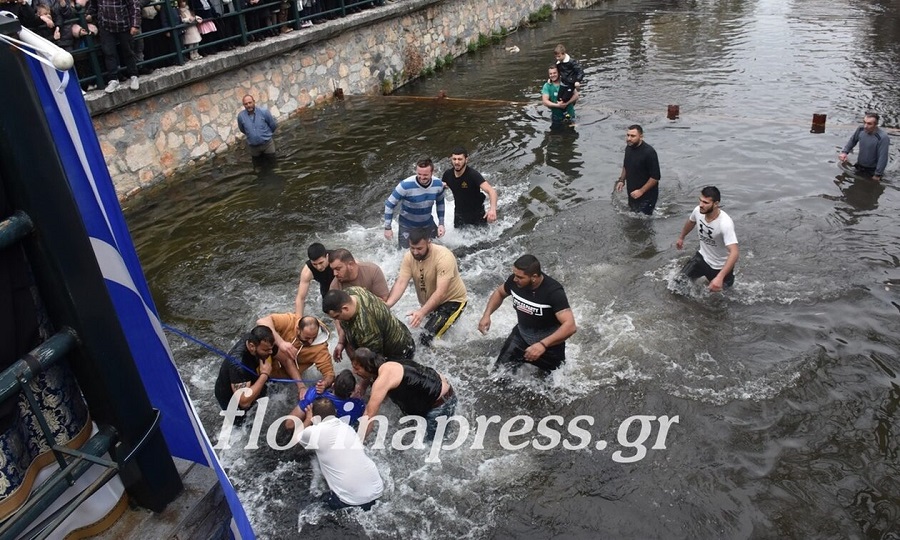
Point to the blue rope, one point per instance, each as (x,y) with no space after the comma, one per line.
(227,356)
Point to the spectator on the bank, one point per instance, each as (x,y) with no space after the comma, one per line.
(47,28)
(23,11)
(155,44)
(65,13)
(208,15)
(229,25)
(192,35)
(119,21)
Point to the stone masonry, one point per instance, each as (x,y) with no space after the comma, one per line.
(186,114)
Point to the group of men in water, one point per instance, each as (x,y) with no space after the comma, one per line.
(381,348)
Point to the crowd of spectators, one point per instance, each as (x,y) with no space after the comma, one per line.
(116,40)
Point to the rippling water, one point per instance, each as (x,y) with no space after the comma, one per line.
(786,387)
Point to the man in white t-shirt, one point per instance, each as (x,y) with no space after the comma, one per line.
(718,244)
(350,473)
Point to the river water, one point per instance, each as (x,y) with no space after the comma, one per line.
(786,387)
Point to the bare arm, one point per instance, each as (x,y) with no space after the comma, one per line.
(245,399)
(493,303)
(306,277)
(620,183)
(650,184)
(397,290)
(492,197)
(389,376)
(688,227)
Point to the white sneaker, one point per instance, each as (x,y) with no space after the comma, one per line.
(112,86)
(134,83)
(306,24)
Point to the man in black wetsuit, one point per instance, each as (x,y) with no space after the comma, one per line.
(316,268)
(640,172)
(416,389)
(545,318)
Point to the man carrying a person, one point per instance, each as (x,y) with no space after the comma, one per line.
(366,321)
(259,126)
(439,287)
(874,144)
(560,111)
(640,172)
(467,186)
(545,320)
(416,196)
(718,251)
(349,273)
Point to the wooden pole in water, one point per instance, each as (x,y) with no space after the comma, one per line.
(818,123)
(673,112)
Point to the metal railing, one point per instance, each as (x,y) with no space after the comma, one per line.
(242,24)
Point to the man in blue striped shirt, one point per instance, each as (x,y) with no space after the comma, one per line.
(416,196)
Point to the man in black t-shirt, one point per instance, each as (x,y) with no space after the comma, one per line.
(255,353)
(467,185)
(545,318)
(640,172)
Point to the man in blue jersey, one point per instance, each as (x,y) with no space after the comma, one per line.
(416,196)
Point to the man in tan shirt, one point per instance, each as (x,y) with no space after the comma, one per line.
(349,273)
(301,342)
(439,287)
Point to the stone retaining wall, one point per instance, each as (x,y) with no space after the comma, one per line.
(185,114)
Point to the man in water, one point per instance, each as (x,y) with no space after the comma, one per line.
(545,320)
(351,475)
(467,186)
(259,126)
(640,172)
(560,111)
(366,321)
(416,389)
(439,287)
(416,196)
(718,244)
(254,352)
(349,273)
(316,268)
(874,143)
(299,347)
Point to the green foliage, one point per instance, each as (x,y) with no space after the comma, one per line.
(483,41)
(543,14)
(387,86)
(428,72)
(439,64)
(448,59)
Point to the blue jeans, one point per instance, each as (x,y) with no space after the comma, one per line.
(445,409)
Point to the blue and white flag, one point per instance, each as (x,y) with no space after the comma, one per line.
(93,190)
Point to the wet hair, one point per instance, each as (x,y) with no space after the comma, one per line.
(344,384)
(417,235)
(528,264)
(870,114)
(261,333)
(323,408)
(459,150)
(368,360)
(334,300)
(340,254)
(560,49)
(636,127)
(425,162)
(712,192)
(316,251)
